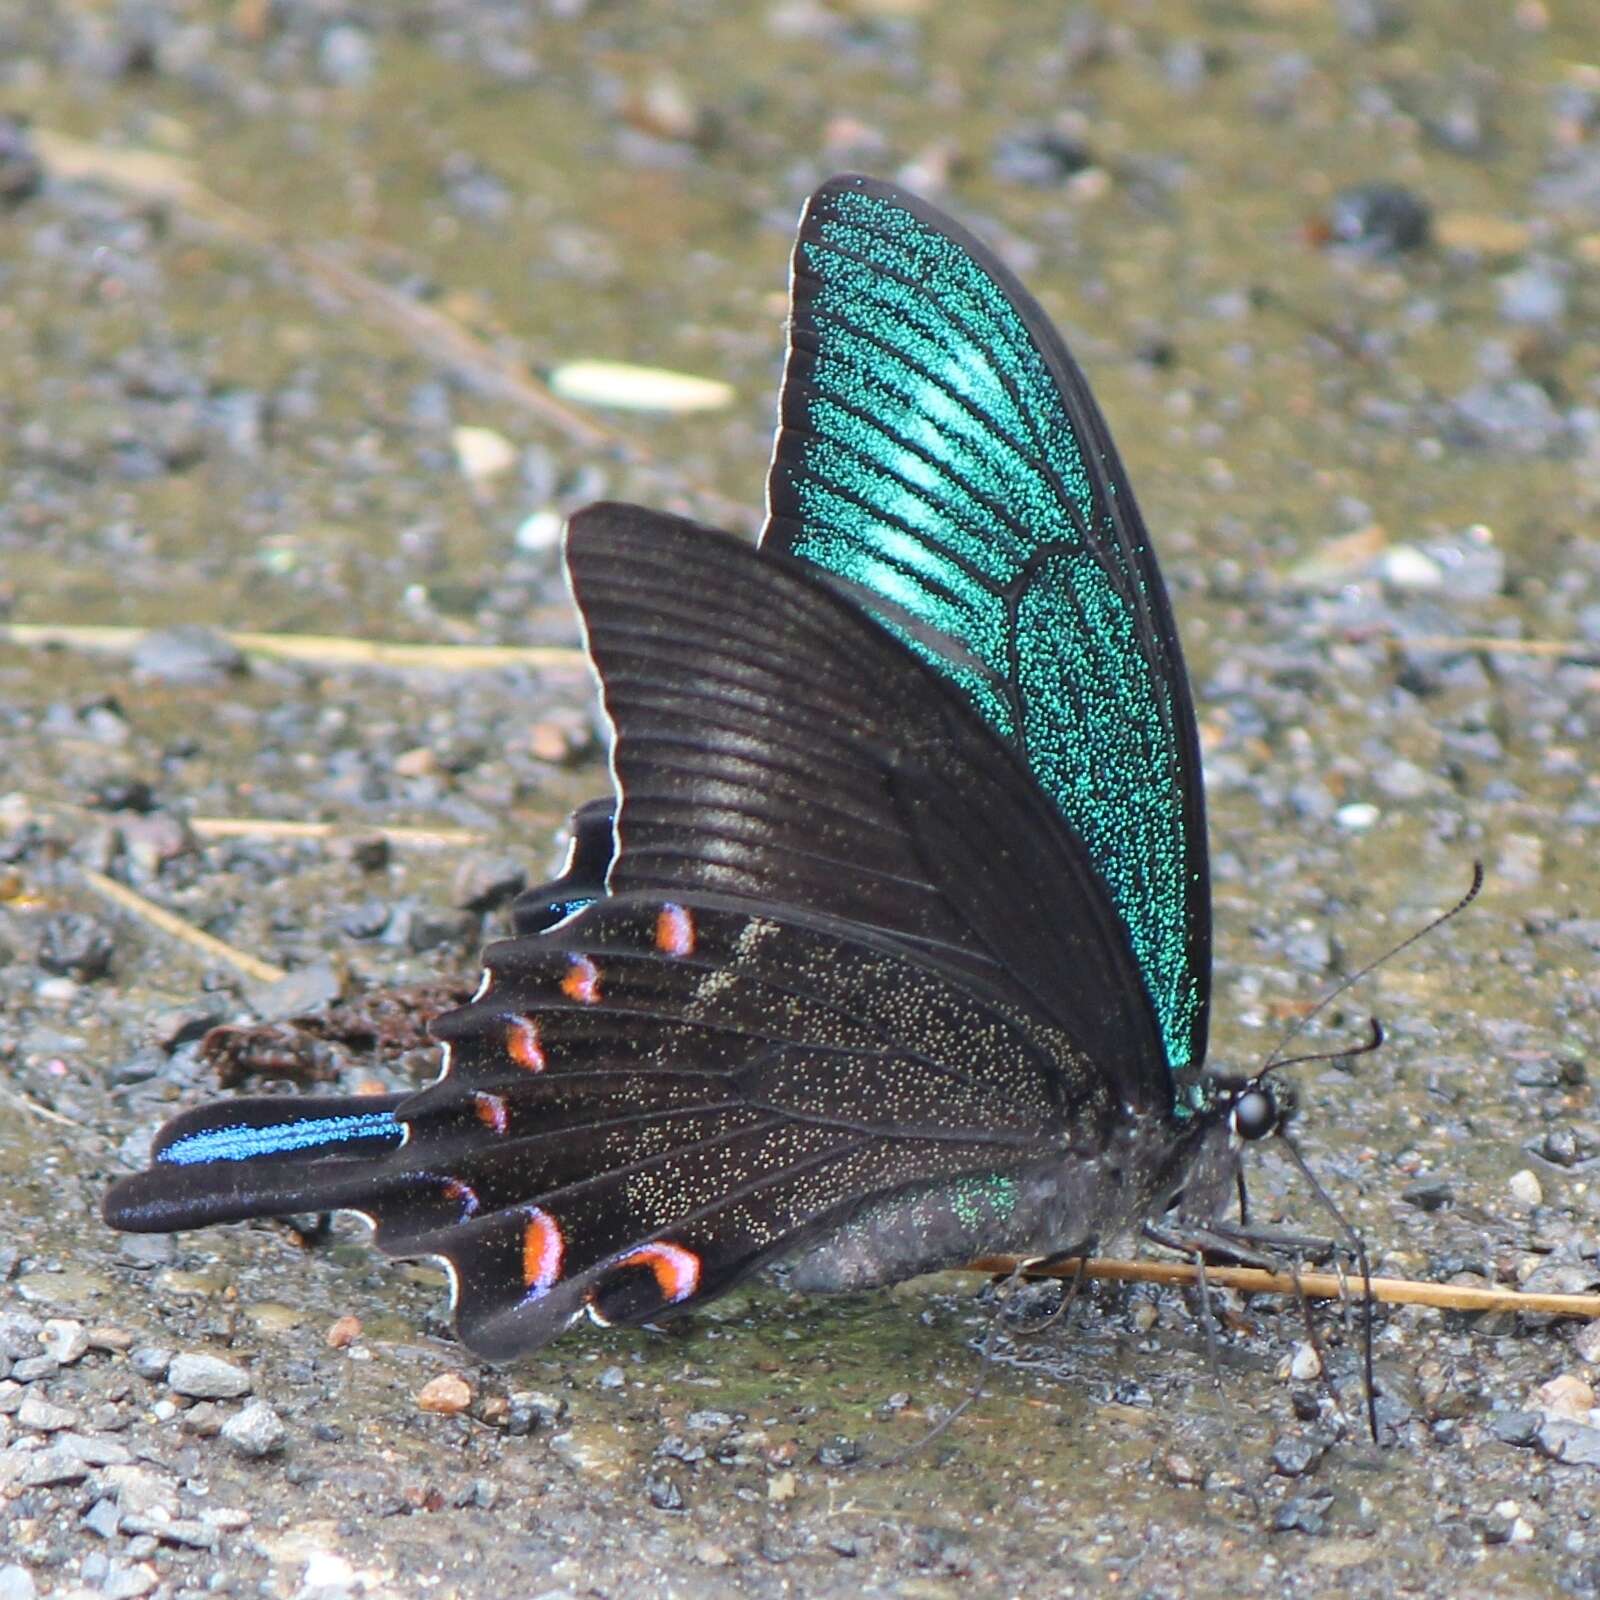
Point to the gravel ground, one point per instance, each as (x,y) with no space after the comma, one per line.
(1331,268)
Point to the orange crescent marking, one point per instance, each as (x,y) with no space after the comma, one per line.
(582,981)
(674,931)
(542,1252)
(523,1043)
(676,1269)
(492,1112)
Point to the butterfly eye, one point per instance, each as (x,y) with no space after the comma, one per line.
(1255,1114)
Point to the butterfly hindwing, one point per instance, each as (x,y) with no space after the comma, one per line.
(941,458)
(647,1102)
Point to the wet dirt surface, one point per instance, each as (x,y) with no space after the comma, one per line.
(1365,429)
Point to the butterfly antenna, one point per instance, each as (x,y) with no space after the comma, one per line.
(1374,1043)
(1275,1059)
(1359,1250)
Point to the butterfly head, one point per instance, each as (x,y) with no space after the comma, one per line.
(1254,1110)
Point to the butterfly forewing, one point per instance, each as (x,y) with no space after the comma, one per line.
(940,456)
(774,743)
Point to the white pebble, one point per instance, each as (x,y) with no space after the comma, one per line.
(1525,1188)
(1357,817)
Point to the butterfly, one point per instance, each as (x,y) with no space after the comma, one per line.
(892,945)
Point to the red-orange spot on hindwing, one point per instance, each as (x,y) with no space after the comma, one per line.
(523,1043)
(582,982)
(676,1269)
(463,1194)
(674,931)
(491,1111)
(542,1250)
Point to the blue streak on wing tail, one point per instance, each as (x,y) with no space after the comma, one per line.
(264,1157)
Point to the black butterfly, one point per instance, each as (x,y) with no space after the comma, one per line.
(894,948)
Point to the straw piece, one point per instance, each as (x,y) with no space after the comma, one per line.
(318,649)
(169,923)
(1317,1285)
(1575,649)
(278,828)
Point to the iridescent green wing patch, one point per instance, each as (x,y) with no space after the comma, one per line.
(940,456)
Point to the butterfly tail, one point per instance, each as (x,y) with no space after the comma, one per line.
(263,1157)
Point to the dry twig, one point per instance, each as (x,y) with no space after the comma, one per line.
(170,923)
(1317,1285)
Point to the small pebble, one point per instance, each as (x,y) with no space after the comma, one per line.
(482,454)
(256,1431)
(150,1361)
(1526,1189)
(206,1377)
(1357,817)
(1586,1342)
(1305,1364)
(1568,1396)
(347,56)
(1378,218)
(39,1414)
(1294,1455)
(102,1518)
(16,1583)
(343,1333)
(188,653)
(448,1395)
(64,1340)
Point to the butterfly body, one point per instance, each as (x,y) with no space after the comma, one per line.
(891,946)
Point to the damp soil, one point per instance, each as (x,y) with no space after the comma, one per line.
(1333,269)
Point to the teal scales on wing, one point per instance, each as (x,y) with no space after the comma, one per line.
(892,945)
(940,455)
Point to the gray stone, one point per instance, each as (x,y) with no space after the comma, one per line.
(16,1583)
(37,1413)
(19,1335)
(67,1341)
(172,1530)
(1576,1443)
(256,1431)
(128,1581)
(139,1490)
(94,1450)
(59,1464)
(150,1361)
(204,1377)
(101,1518)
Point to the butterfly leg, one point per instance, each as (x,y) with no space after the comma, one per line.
(1069,1293)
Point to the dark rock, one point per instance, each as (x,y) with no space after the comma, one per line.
(1304,1513)
(838,1452)
(1516,1428)
(1429,1194)
(122,794)
(366,921)
(180,1025)
(1039,157)
(1294,1455)
(664,1492)
(75,946)
(21,171)
(1378,219)
(1562,1147)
